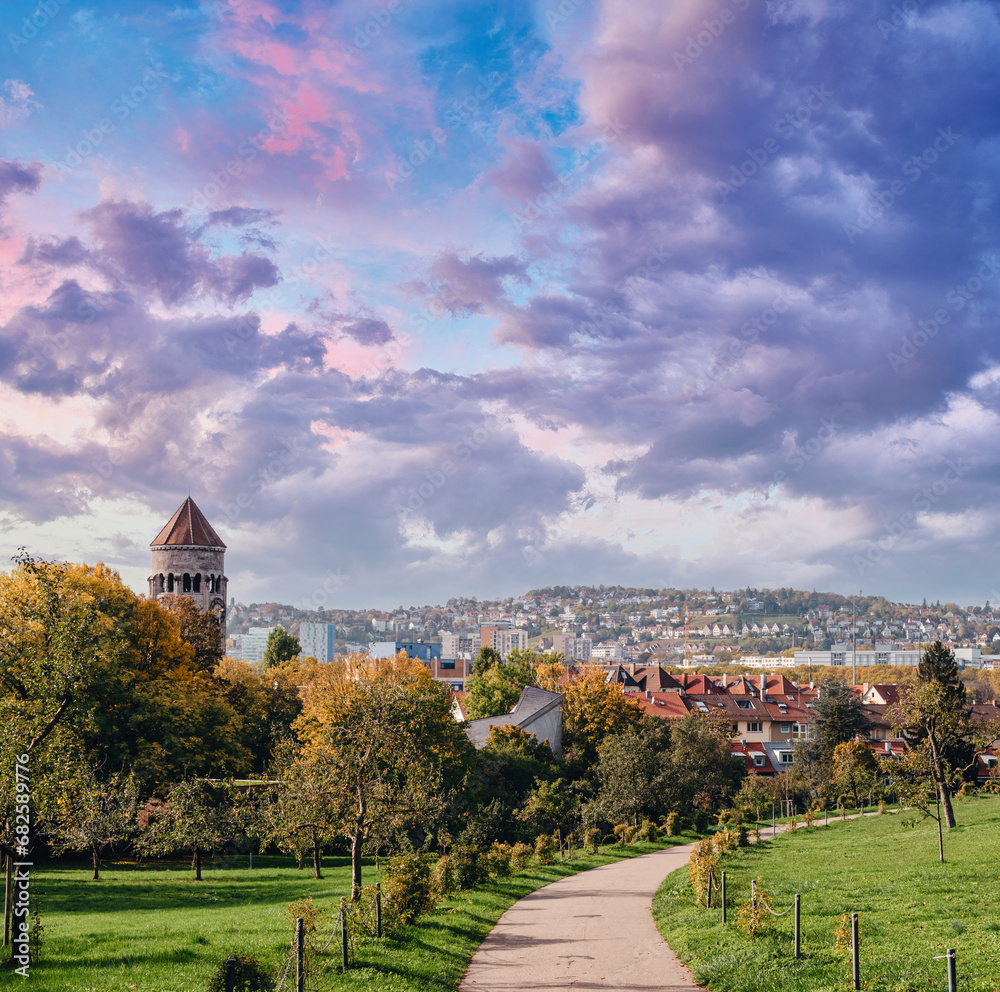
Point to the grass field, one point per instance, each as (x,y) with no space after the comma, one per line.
(912,907)
(153,929)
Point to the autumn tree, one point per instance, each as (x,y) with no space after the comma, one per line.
(854,768)
(594,709)
(383,733)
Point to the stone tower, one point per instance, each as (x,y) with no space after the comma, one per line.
(188,560)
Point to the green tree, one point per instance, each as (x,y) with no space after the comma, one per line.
(198,816)
(629,776)
(854,768)
(281,647)
(550,806)
(90,814)
(495,686)
(839,717)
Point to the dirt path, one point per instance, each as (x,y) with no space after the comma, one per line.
(589,931)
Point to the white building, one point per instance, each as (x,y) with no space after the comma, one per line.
(608,652)
(573,648)
(254,643)
(316,640)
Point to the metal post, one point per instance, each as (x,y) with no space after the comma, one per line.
(230,974)
(723,894)
(300,963)
(343,932)
(251,857)
(774,829)
(855,955)
(708,897)
(378,909)
(952,971)
(753,892)
(798,926)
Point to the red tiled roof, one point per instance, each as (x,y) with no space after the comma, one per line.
(188,526)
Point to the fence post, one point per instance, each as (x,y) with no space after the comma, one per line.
(774,828)
(855,954)
(708,896)
(723,894)
(343,931)
(753,892)
(230,974)
(300,943)
(378,909)
(952,970)
(798,929)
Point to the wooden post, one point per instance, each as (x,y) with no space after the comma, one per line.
(855,951)
(798,926)
(8,868)
(708,895)
(343,932)
(952,970)
(378,909)
(723,894)
(300,945)
(230,974)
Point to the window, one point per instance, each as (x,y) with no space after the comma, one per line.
(448,664)
(758,760)
(744,704)
(187,582)
(197,581)
(785,757)
(786,728)
(170,582)
(736,728)
(754,727)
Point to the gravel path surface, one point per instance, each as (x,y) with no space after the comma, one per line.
(589,931)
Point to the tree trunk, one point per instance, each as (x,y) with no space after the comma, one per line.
(357,842)
(197,864)
(317,856)
(97,873)
(941,781)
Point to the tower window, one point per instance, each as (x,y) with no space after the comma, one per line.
(197,582)
(187,582)
(170,582)
(161,583)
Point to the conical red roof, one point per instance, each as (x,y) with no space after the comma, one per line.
(188,526)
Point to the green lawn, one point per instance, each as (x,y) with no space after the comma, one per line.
(912,907)
(153,929)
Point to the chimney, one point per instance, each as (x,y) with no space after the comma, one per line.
(725,681)
(763,685)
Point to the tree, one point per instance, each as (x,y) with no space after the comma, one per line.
(550,807)
(297,811)
(629,776)
(839,717)
(854,767)
(91,815)
(495,686)
(198,816)
(281,647)
(935,717)
(382,730)
(594,709)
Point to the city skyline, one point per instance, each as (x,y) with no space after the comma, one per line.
(438,299)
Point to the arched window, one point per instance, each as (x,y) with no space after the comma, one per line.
(197,582)
(187,582)
(161,586)
(211,583)
(170,582)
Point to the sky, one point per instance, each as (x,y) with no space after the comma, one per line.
(421,299)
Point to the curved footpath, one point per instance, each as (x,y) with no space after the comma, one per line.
(594,930)
(589,931)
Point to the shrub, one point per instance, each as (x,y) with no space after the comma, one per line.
(727,816)
(881,807)
(742,837)
(469,870)
(725,840)
(361,921)
(809,816)
(251,976)
(672,824)
(753,917)
(702,860)
(701,821)
(496,861)
(842,932)
(310,914)
(649,832)
(443,876)
(545,849)
(520,856)
(592,839)
(406,883)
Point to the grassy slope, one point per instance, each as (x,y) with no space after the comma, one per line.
(912,907)
(153,929)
